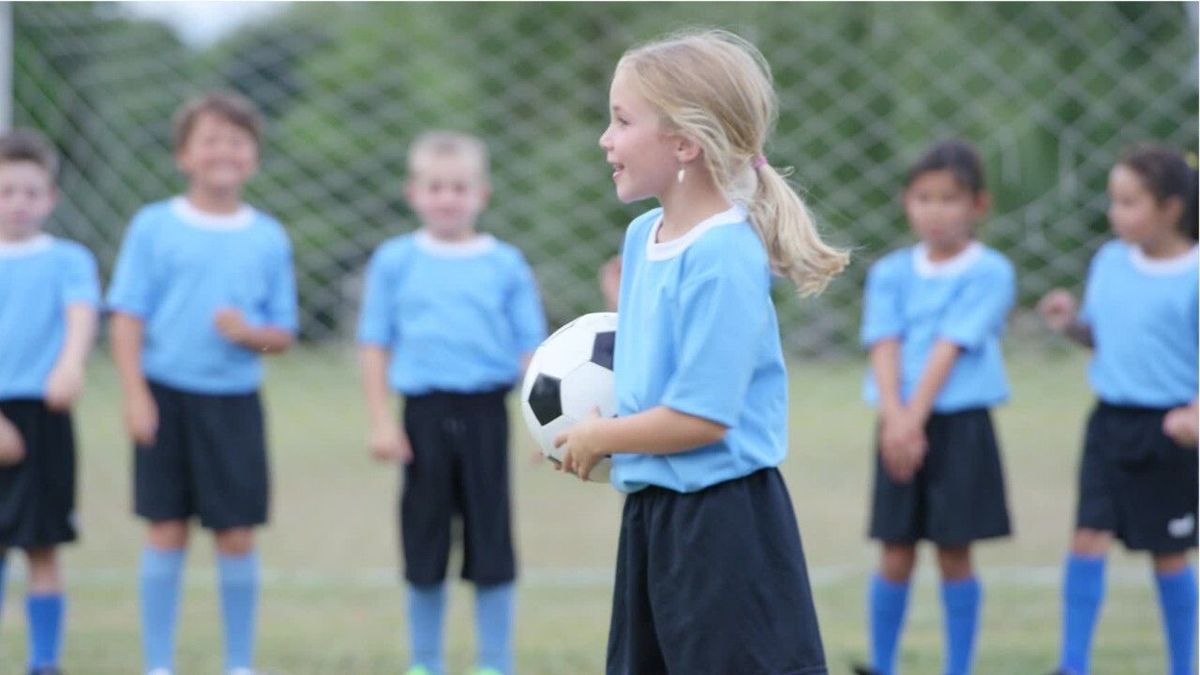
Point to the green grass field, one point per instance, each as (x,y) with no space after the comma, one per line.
(332,601)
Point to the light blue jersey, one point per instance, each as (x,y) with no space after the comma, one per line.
(964,300)
(1143,317)
(456,317)
(178,266)
(39,279)
(697,333)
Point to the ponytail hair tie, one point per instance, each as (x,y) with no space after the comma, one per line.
(758,162)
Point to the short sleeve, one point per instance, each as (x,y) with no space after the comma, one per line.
(1088,308)
(722,325)
(81,283)
(882,316)
(131,290)
(980,308)
(375,321)
(281,297)
(525,308)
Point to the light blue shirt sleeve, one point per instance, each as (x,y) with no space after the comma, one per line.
(980,308)
(375,321)
(281,309)
(525,308)
(721,325)
(131,290)
(882,316)
(82,285)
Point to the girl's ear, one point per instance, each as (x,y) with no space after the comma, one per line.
(1172,208)
(983,202)
(686,149)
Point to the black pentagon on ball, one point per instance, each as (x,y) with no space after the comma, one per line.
(602,349)
(544,399)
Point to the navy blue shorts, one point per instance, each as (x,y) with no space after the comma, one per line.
(459,469)
(715,582)
(209,460)
(37,495)
(958,494)
(1135,482)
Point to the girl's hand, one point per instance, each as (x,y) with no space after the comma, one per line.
(389,443)
(63,387)
(1181,424)
(901,445)
(141,419)
(1058,310)
(12,447)
(231,324)
(584,446)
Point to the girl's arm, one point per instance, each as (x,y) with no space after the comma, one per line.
(66,379)
(885,366)
(1061,315)
(263,339)
(141,414)
(937,369)
(387,440)
(658,431)
(899,435)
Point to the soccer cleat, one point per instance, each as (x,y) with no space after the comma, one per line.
(418,670)
(159,671)
(863,669)
(45,670)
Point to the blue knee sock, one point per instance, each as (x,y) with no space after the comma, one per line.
(1082,596)
(159,580)
(239,604)
(887,602)
(426,605)
(960,602)
(1177,598)
(493,624)
(45,614)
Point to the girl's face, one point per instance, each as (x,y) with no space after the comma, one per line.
(1137,216)
(941,211)
(640,151)
(218,155)
(448,194)
(26,199)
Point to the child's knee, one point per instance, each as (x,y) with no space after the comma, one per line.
(897,562)
(954,562)
(235,542)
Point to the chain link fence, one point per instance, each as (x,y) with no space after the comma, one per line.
(1050,93)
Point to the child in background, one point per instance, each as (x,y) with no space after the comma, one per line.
(48,297)
(450,319)
(203,287)
(1138,475)
(711,576)
(933,317)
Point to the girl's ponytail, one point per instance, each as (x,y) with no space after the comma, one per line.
(790,233)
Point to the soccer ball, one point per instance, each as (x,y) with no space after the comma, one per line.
(569,376)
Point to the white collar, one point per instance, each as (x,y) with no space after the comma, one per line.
(1162,266)
(945,268)
(188,213)
(36,243)
(670,249)
(454,249)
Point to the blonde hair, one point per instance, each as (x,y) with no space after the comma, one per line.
(716,88)
(439,144)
